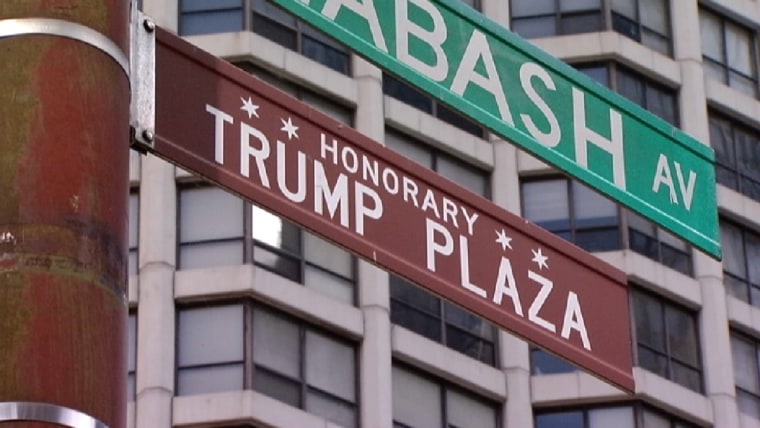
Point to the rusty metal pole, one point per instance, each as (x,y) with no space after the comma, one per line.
(64,136)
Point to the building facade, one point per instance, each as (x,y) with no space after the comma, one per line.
(240,318)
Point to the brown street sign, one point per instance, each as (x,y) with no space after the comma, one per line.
(244,135)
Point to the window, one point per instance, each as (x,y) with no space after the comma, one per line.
(419,310)
(246,346)
(666,340)
(219,229)
(626,416)
(134,219)
(737,154)
(419,401)
(645,92)
(267,20)
(580,215)
(131,356)
(573,211)
(741,271)
(651,241)
(646,21)
(729,52)
(466,175)
(746,356)
(407,94)
(430,316)
(210,16)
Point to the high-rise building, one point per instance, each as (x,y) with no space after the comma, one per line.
(239,318)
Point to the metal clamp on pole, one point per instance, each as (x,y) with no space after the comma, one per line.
(43,412)
(142,110)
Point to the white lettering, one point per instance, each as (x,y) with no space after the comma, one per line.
(350,160)
(538,302)
(433,38)
(220,118)
(390,181)
(584,135)
(429,202)
(365,9)
(410,190)
(663,176)
(361,210)
(336,197)
(324,149)
(300,194)
(477,49)
(527,72)
(446,248)
(574,320)
(464,268)
(504,278)
(450,212)
(246,151)
(470,219)
(687,191)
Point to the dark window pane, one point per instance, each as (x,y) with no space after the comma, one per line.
(649,321)
(535,27)
(416,321)
(451,117)
(325,54)
(687,377)
(412,295)
(560,420)
(653,362)
(405,93)
(598,239)
(470,345)
(626,26)
(580,23)
(281,264)
(277,387)
(545,363)
(212,22)
(275,32)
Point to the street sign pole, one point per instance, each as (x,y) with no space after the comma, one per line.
(231,128)
(64,114)
(535,101)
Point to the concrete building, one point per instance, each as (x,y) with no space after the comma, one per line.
(238,318)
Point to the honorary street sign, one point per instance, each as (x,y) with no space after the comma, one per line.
(231,128)
(536,101)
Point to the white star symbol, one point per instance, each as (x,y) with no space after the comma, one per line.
(503,239)
(287,126)
(539,258)
(249,107)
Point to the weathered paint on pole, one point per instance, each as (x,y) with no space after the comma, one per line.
(64,114)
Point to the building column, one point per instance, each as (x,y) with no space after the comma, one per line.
(717,364)
(374,294)
(514,352)
(155,308)
(64,134)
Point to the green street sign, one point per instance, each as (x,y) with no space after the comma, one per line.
(536,101)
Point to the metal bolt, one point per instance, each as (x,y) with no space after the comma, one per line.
(149,25)
(148,135)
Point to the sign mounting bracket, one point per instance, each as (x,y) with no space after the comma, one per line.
(142,110)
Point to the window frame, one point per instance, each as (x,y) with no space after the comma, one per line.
(301,30)
(250,307)
(607,22)
(444,387)
(664,305)
(754,342)
(744,182)
(250,244)
(638,410)
(751,289)
(723,63)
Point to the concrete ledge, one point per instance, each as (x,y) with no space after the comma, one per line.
(448,364)
(248,46)
(743,315)
(572,388)
(738,206)
(438,133)
(241,407)
(251,281)
(672,397)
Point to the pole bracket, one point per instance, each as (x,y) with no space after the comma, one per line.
(142,109)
